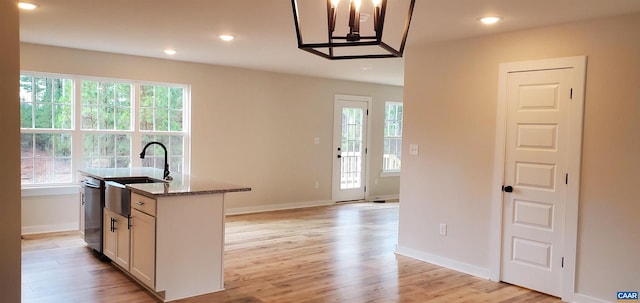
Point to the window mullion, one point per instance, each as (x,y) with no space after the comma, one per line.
(77,152)
(136,136)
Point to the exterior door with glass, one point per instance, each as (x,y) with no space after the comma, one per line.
(350,147)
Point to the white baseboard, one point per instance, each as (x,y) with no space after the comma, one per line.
(43,229)
(466,268)
(272,207)
(580,298)
(384,198)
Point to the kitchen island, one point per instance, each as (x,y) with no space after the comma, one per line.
(173,242)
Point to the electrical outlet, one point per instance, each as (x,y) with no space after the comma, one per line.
(443,229)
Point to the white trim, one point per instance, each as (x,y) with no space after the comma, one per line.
(580,298)
(273,207)
(43,229)
(578,64)
(386,174)
(462,267)
(50,190)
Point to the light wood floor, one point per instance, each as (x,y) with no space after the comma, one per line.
(341,253)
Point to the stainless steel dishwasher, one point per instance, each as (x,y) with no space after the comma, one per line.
(93,212)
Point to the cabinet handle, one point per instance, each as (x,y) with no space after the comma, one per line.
(140,203)
(129,222)
(111,227)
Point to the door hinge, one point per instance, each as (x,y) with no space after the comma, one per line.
(562,265)
(566,179)
(366,150)
(571,94)
(367,112)
(365,189)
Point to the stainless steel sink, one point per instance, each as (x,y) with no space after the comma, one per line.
(118,197)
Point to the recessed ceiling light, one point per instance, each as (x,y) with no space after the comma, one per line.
(170,52)
(490,20)
(226,37)
(27,6)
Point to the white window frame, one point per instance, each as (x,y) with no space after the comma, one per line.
(135,133)
(386,172)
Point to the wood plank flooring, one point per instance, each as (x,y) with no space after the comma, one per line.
(342,253)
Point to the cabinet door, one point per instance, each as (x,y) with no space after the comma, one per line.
(109,235)
(122,241)
(143,243)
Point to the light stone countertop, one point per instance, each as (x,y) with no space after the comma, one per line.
(180,186)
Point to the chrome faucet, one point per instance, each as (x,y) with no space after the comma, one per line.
(166,163)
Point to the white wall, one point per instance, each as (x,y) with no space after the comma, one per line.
(9,154)
(450,110)
(45,214)
(248,127)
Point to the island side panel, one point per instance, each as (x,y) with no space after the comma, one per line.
(190,245)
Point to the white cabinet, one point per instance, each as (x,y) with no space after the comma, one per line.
(143,247)
(116,238)
(177,244)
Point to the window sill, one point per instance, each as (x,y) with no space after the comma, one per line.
(390,174)
(53,190)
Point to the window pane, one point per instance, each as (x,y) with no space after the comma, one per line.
(106,117)
(391,160)
(146,119)
(89,117)
(106,94)
(62,171)
(123,118)
(63,91)
(161,108)
(44,145)
(123,95)
(106,106)
(44,102)
(176,120)
(162,120)
(176,98)
(43,115)
(146,96)
(89,93)
(106,150)
(26,115)
(123,145)
(154,156)
(46,158)
(62,117)
(162,97)
(62,145)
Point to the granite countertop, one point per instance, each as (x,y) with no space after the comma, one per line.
(179,186)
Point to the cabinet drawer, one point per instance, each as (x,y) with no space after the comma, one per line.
(143,204)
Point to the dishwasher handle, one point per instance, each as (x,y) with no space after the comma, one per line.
(89,184)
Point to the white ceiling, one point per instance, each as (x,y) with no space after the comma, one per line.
(265,32)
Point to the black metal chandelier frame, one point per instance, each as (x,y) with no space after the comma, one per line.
(353,38)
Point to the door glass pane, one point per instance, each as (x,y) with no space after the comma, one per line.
(351,149)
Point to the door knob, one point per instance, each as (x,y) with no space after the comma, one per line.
(507,189)
(339,156)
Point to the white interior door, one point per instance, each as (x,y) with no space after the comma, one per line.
(350,147)
(536,167)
